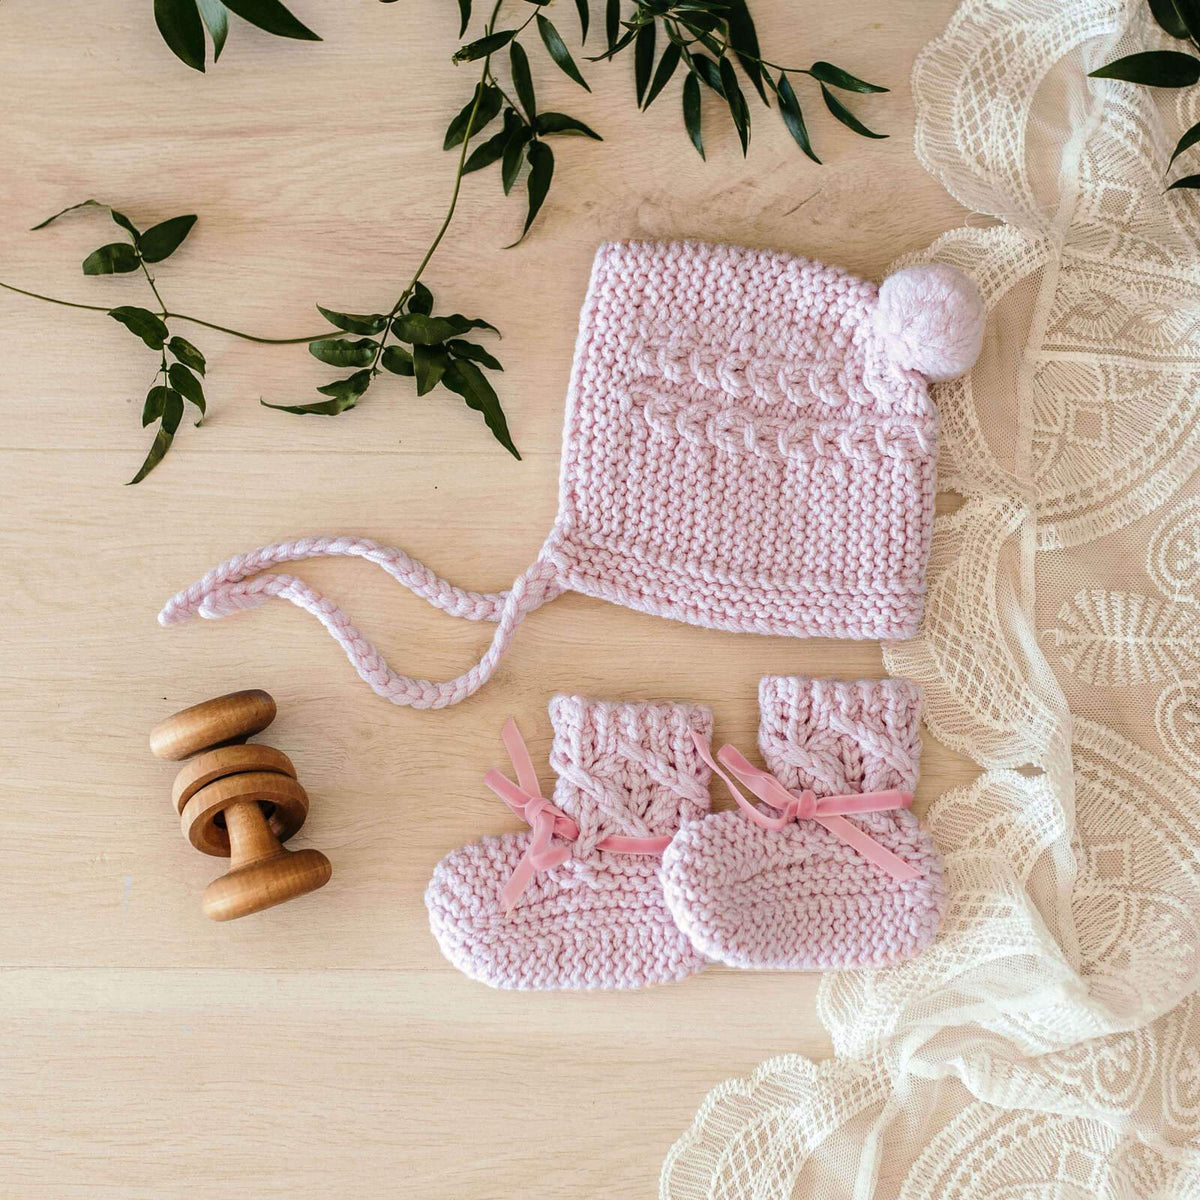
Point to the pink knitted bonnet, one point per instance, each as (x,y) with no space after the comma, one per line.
(749,445)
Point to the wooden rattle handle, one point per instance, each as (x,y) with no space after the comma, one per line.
(261,872)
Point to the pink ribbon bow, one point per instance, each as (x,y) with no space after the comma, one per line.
(828,811)
(547,821)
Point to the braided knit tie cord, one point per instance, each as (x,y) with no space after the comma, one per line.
(227,589)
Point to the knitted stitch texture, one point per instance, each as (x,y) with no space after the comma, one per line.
(600,919)
(800,898)
(749,444)
(742,449)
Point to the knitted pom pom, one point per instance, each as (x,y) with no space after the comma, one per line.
(931,319)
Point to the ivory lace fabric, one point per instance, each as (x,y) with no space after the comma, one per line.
(1048,1044)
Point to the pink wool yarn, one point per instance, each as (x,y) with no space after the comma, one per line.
(800,898)
(749,445)
(598,920)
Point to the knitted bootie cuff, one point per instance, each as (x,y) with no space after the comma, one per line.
(835,737)
(628,768)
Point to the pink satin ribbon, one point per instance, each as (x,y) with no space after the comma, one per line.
(547,821)
(828,811)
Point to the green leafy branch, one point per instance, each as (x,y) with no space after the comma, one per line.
(438,353)
(1166,68)
(706,37)
(182,24)
(176,382)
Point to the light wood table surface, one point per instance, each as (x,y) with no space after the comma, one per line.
(325,1049)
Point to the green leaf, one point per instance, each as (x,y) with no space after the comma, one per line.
(216,17)
(541,172)
(510,168)
(1186,142)
(1168,18)
(117,258)
(419,329)
(143,324)
(119,217)
(429,364)
(345,393)
(836,77)
(125,223)
(1188,181)
(273,17)
(490,151)
(1154,68)
(342,352)
(549,123)
(156,398)
(468,381)
(187,354)
(616,47)
(421,300)
(701,27)
(161,241)
(464,16)
(691,112)
(666,68)
(484,46)
(846,117)
(187,385)
(559,52)
(63,212)
(585,18)
(738,109)
(793,118)
(353,385)
(643,59)
(612,22)
(172,414)
(522,80)
(1188,14)
(490,101)
(710,73)
(744,39)
(371,323)
(397,360)
(179,23)
(475,353)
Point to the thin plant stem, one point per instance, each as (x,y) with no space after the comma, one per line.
(162,308)
(167,315)
(449,217)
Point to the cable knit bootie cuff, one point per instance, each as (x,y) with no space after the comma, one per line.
(577,902)
(830,869)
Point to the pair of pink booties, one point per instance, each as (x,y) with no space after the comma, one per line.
(626,878)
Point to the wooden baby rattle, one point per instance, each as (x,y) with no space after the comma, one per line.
(240,802)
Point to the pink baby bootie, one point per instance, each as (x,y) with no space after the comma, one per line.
(829,868)
(577,902)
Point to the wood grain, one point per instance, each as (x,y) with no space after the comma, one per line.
(324,1048)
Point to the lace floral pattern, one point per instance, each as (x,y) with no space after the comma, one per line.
(1048,1045)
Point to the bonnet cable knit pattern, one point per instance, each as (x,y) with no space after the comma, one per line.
(797,895)
(749,445)
(584,907)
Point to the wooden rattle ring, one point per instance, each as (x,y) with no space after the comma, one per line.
(230,718)
(283,801)
(226,760)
